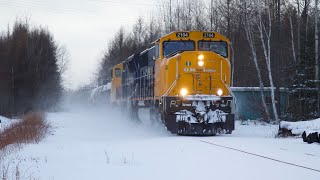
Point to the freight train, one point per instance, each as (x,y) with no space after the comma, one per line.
(184,79)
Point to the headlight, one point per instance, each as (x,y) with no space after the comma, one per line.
(183,92)
(219,92)
(200,63)
(200,57)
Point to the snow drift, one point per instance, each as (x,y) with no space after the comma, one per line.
(297,128)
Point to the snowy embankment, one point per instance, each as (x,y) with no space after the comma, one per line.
(297,128)
(309,130)
(102,143)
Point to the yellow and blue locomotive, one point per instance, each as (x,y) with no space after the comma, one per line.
(184,78)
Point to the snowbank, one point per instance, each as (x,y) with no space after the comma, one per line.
(298,128)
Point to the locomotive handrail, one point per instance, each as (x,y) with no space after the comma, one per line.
(227,86)
(140,77)
(175,81)
(174,53)
(234,97)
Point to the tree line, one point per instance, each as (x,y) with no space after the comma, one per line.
(31,66)
(273,44)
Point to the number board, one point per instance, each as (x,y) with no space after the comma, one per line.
(182,34)
(208,35)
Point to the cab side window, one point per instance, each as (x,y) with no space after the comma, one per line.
(157,51)
(151,55)
(118,72)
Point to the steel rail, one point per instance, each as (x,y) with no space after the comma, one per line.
(261,156)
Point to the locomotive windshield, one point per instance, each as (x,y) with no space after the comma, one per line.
(170,47)
(219,47)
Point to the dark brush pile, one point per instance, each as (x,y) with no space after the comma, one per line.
(31,129)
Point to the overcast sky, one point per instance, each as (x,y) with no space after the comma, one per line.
(83,26)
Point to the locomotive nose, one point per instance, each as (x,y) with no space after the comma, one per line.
(202,73)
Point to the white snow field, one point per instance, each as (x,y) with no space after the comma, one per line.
(100,144)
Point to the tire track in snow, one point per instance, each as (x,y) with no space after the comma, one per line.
(261,156)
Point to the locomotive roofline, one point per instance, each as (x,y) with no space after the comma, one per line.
(223,38)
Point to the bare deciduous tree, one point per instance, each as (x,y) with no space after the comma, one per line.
(265,33)
(316,39)
(248,26)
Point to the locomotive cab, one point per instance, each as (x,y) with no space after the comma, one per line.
(116,90)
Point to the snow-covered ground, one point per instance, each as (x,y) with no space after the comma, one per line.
(104,144)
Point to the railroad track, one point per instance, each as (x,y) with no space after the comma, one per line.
(261,156)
